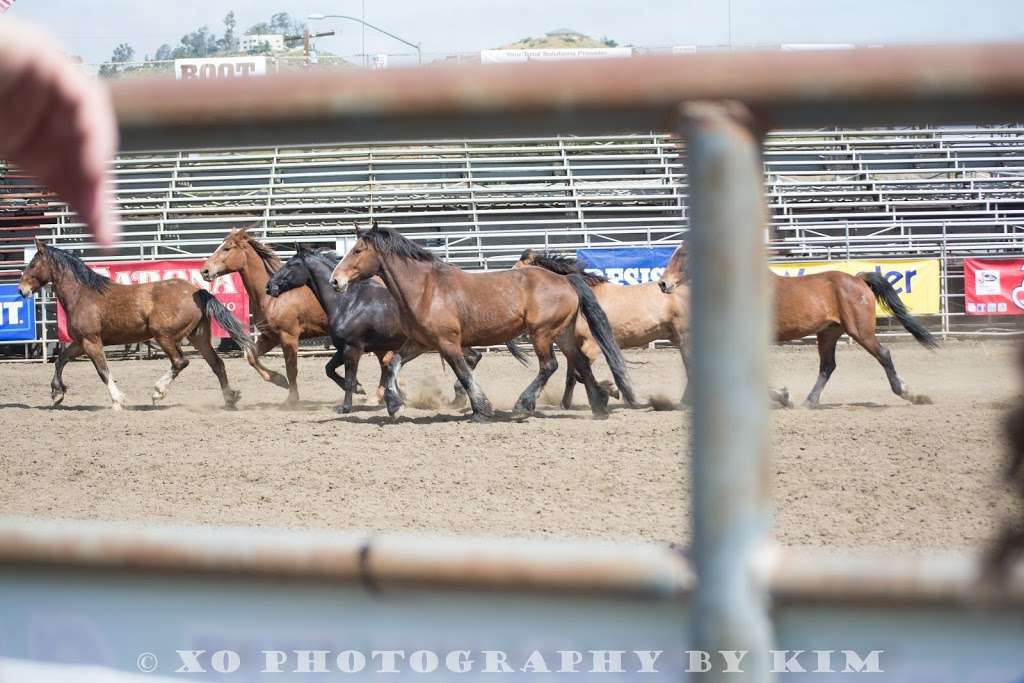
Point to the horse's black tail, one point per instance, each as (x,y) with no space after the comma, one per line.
(602,331)
(890,300)
(215,310)
(516,353)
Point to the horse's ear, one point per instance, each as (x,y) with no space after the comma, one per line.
(359,232)
(40,247)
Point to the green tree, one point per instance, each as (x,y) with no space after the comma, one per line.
(123,53)
(229,42)
(164,52)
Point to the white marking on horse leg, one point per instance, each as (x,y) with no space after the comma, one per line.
(115,394)
(160,388)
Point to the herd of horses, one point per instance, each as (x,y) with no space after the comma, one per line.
(393,298)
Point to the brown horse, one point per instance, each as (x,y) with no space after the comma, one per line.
(444,308)
(639,314)
(827,305)
(101,312)
(283,320)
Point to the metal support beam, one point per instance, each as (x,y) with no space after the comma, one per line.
(961,84)
(730,298)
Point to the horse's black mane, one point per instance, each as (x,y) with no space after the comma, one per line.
(325,253)
(69,263)
(271,261)
(565,265)
(388,241)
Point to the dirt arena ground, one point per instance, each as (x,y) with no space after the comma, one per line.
(865,470)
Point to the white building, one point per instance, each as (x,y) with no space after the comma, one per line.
(254,41)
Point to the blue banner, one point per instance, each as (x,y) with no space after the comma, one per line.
(17,315)
(626,265)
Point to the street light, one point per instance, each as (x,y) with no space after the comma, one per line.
(320,17)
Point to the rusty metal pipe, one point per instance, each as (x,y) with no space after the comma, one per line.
(961,84)
(731,337)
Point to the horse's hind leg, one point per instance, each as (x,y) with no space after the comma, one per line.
(472,357)
(871,344)
(201,340)
(580,364)
(94,349)
(57,386)
(547,365)
(827,340)
(178,363)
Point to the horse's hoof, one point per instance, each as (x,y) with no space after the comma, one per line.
(279,381)
(566,405)
(481,418)
(920,400)
(57,400)
(158,396)
(810,405)
(600,415)
(343,409)
(784,399)
(117,407)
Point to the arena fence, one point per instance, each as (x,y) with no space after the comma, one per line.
(720,104)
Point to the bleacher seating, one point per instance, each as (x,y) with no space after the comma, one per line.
(831,193)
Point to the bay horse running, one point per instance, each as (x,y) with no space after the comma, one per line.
(443,308)
(362,319)
(638,314)
(281,321)
(102,312)
(827,305)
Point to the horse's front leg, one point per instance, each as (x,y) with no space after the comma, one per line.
(393,398)
(94,349)
(473,358)
(453,355)
(264,344)
(353,352)
(57,386)
(290,348)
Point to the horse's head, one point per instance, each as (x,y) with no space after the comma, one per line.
(294,273)
(230,256)
(38,273)
(527,258)
(360,263)
(677,272)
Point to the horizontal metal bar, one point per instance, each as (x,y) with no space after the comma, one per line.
(792,574)
(962,84)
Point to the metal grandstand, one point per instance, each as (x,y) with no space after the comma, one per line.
(834,194)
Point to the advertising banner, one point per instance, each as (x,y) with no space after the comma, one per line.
(17,315)
(219,67)
(228,288)
(917,281)
(993,286)
(626,265)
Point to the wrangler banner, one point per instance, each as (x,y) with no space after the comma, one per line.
(993,286)
(915,280)
(228,288)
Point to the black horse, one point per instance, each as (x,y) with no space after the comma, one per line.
(362,319)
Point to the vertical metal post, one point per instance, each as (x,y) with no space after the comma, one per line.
(731,337)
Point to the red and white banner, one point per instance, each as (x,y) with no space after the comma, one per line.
(228,289)
(994,286)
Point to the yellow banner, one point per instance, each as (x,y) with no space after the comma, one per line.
(915,280)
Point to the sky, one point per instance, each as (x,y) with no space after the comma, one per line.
(92,29)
